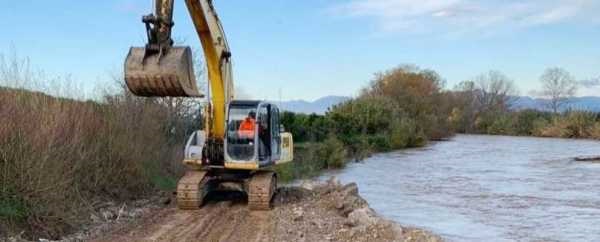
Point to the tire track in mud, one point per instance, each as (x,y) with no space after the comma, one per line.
(197,225)
(231,223)
(210,225)
(220,221)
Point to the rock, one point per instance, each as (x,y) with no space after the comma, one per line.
(308,185)
(298,214)
(346,199)
(165,200)
(339,201)
(350,189)
(363,216)
(349,222)
(333,182)
(398,231)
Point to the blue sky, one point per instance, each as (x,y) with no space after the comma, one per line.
(313,48)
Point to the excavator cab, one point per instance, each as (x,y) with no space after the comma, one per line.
(253,138)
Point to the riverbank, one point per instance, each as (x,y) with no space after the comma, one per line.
(326,211)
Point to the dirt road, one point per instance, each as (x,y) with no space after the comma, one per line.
(327,212)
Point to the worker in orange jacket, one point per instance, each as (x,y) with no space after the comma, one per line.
(247,127)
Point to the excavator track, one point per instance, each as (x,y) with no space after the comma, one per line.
(191,190)
(261,188)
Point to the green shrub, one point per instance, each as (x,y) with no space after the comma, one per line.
(379,142)
(502,125)
(525,121)
(333,153)
(13,209)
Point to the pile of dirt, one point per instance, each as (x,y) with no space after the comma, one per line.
(310,212)
(334,212)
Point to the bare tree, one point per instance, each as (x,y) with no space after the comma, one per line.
(495,91)
(557,86)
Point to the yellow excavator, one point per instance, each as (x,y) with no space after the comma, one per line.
(241,140)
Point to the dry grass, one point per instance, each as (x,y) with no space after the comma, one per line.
(571,125)
(594,131)
(59,157)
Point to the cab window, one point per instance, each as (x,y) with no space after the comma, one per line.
(241,131)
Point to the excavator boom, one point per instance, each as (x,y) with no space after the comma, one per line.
(218,60)
(160,69)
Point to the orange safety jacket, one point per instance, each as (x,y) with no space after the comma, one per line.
(246,129)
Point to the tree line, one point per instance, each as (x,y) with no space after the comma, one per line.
(408,106)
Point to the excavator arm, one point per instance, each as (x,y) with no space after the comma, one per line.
(218,60)
(163,70)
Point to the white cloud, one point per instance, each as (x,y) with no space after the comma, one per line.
(454,16)
(589,83)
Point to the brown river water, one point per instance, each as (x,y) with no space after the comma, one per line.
(487,188)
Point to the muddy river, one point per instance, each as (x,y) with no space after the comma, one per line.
(487,188)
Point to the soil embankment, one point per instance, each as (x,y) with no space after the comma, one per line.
(321,212)
(313,212)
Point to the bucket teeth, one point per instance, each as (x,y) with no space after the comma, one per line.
(168,75)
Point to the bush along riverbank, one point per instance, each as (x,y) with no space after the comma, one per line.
(569,124)
(406,107)
(402,108)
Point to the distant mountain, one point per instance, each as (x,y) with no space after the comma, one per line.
(318,106)
(576,103)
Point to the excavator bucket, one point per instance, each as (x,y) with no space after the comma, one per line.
(161,75)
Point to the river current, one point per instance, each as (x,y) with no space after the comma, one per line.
(487,188)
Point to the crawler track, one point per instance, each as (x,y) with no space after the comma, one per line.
(261,188)
(191,190)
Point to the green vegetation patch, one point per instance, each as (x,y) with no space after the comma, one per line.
(164,183)
(13,209)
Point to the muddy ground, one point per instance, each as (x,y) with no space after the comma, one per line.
(311,212)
